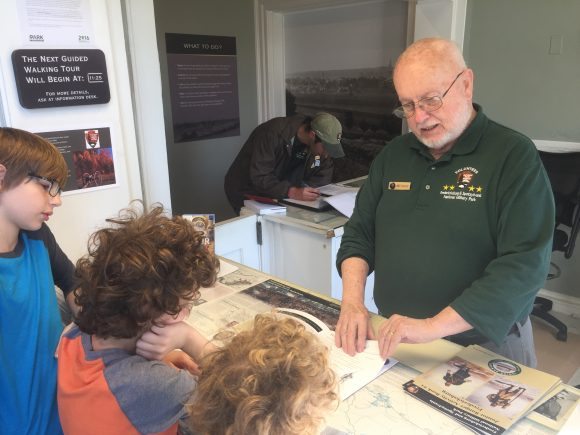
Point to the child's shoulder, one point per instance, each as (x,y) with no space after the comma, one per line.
(136,383)
(141,378)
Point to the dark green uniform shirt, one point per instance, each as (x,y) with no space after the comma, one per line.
(472,230)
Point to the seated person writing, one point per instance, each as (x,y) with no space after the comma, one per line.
(272,379)
(139,276)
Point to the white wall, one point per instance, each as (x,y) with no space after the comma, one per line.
(80,213)
(347,37)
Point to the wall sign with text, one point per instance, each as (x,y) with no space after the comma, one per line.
(57,78)
(203,83)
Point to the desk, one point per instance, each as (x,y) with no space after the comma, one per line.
(379,408)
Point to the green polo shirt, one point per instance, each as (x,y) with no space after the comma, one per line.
(472,230)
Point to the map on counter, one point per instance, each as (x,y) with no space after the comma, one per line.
(222,311)
(381,407)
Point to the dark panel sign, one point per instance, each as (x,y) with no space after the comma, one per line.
(203,83)
(56,78)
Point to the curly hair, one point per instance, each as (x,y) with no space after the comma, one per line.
(23,153)
(272,379)
(143,267)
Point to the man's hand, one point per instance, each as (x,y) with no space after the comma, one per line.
(353,327)
(303,193)
(400,329)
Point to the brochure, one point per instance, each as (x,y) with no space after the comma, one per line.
(556,407)
(482,390)
(205,223)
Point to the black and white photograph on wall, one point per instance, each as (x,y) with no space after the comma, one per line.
(203,84)
(89,156)
(340,60)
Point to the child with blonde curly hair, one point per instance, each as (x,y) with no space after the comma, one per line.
(272,379)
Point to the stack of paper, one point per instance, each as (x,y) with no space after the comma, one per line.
(262,208)
(341,197)
(484,391)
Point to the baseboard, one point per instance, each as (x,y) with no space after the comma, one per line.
(564,304)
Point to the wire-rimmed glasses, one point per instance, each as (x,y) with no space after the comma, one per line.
(427,104)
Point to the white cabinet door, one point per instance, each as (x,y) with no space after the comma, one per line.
(297,254)
(236,240)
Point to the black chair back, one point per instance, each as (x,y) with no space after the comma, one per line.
(563,170)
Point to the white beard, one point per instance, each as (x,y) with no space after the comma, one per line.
(448,136)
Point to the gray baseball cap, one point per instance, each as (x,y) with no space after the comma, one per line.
(329,130)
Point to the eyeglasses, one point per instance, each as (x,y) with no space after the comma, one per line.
(51,186)
(427,104)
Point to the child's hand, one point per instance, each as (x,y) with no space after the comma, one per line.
(160,340)
(181,360)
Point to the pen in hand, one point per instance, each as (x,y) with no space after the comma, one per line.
(303,193)
(310,193)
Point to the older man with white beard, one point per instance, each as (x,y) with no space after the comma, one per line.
(456,219)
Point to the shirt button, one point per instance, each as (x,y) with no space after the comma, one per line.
(432,168)
(427,187)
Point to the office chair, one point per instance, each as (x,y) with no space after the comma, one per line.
(563,170)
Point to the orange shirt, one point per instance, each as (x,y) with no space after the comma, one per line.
(113,392)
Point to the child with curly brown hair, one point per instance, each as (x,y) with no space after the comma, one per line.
(139,277)
(272,379)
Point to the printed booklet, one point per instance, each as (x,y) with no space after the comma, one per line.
(556,407)
(205,223)
(482,390)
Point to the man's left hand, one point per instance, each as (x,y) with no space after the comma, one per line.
(400,329)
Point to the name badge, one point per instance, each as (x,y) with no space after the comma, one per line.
(399,185)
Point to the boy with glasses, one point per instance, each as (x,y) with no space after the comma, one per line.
(456,219)
(31,263)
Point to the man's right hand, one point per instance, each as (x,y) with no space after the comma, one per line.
(353,327)
(303,193)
